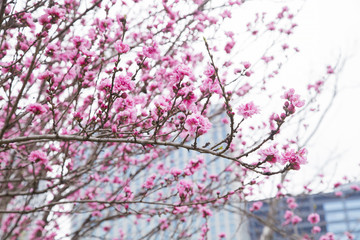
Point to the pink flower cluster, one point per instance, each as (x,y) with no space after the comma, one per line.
(248,110)
(175,171)
(313,218)
(270,154)
(38,156)
(123,83)
(197,122)
(291,203)
(294,158)
(256,206)
(149,183)
(194,165)
(328,236)
(121,47)
(290,217)
(185,188)
(209,71)
(293,101)
(151,51)
(36,108)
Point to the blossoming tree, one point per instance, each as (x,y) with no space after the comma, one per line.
(96,95)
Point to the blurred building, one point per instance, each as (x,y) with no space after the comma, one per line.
(338,214)
(226,220)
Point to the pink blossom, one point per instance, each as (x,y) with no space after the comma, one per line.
(180,210)
(330,70)
(226,14)
(176,171)
(149,183)
(196,122)
(27,17)
(288,94)
(121,47)
(271,26)
(349,236)
(294,158)
(270,154)
(194,165)
(44,19)
(292,205)
(315,230)
(211,86)
(355,188)
(209,71)
(256,206)
(183,70)
(295,220)
(38,156)
(222,235)
(248,110)
(151,51)
(56,13)
(36,108)
(247,65)
(205,212)
(294,100)
(288,215)
(184,188)
(164,224)
(327,236)
(123,83)
(243,89)
(229,46)
(267,59)
(313,218)
(338,193)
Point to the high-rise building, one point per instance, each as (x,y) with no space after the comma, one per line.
(338,214)
(226,220)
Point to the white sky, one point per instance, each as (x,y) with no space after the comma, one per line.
(328,29)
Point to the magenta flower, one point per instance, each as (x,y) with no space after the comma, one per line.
(248,110)
(36,108)
(315,230)
(329,70)
(256,206)
(209,71)
(121,47)
(294,158)
(180,210)
(38,156)
(175,171)
(123,83)
(197,122)
(313,218)
(184,188)
(246,65)
(295,220)
(270,154)
(288,215)
(229,46)
(355,188)
(149,183)
(151,51)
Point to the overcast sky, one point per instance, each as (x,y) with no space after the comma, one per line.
(329,29)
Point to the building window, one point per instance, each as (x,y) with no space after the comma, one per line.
(335,216)
(352,203)
(336,227)
(354,214)
(331,206)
